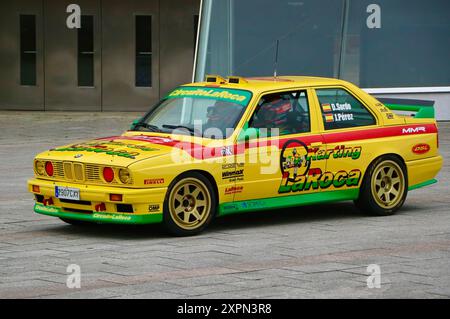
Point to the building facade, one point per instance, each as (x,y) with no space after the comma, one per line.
(124,56)
(392,48)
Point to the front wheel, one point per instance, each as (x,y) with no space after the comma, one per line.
(384,187)
(190,205)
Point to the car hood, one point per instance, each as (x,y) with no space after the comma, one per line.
(114,150)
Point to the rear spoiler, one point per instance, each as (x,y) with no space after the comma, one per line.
(422,108)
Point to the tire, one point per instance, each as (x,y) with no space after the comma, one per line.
(190,205)
(76,222)
(384,188)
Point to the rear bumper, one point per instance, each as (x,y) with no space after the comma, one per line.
(420,172)
(146,204)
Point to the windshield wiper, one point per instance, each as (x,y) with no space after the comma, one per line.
(174,127)
(151,128)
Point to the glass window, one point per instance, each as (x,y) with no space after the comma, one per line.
(201,111)
(340,109)
(86,51)
(286,111)
(27,49)
(143,51)
(408,44)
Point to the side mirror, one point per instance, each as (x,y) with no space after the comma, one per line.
(136,121)
(247,133)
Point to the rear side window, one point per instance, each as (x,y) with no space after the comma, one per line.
(340,109)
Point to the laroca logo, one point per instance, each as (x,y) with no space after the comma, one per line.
(412,130)
(421,148)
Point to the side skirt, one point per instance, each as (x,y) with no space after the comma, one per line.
(287,201)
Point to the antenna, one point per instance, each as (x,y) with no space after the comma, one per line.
(276,60)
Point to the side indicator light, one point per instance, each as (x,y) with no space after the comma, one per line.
(36,189)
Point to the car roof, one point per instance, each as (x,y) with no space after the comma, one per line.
(261,84)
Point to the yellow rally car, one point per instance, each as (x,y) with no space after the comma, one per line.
(236,145)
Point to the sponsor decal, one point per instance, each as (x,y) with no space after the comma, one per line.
(226,151)
(233,190)
(320,180)
(233,174)
(153,208)
(108,148)
(413,130)
(234,96)
(295,162)
(111,216)
(421,148)
(340,151)
(154,181)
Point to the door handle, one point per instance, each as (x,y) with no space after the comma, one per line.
(316,144)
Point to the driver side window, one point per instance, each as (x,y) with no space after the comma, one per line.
(287,111)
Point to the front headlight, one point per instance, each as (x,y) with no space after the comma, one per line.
(125,176)
(39,167)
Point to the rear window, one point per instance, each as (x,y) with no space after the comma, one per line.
(340,109)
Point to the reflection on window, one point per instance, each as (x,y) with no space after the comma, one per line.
(86,51)
(143,51)
(27,49)
(286,111)
(340,109)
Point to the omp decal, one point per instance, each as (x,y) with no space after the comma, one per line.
(234,96)
(153,181)
(421,148)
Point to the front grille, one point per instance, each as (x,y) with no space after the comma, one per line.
(78,170)
(68,170)
(58,170)
(93,173)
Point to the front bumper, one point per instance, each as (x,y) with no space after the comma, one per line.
(145,205)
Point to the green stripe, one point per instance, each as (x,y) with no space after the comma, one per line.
(287,201)
(426,183)
(99,217)
(422,111)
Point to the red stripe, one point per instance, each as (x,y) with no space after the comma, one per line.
(199,151)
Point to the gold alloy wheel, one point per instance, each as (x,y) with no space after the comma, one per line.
(189,203)
(388,184)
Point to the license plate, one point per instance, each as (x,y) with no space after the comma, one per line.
(67,193)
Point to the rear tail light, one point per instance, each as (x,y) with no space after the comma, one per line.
(49,168)
(108,174)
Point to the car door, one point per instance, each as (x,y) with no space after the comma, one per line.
(280,164)
(346,124)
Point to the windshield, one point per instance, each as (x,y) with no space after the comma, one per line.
(200,111)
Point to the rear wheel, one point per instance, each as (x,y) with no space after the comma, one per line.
(190,205)
(384,187)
